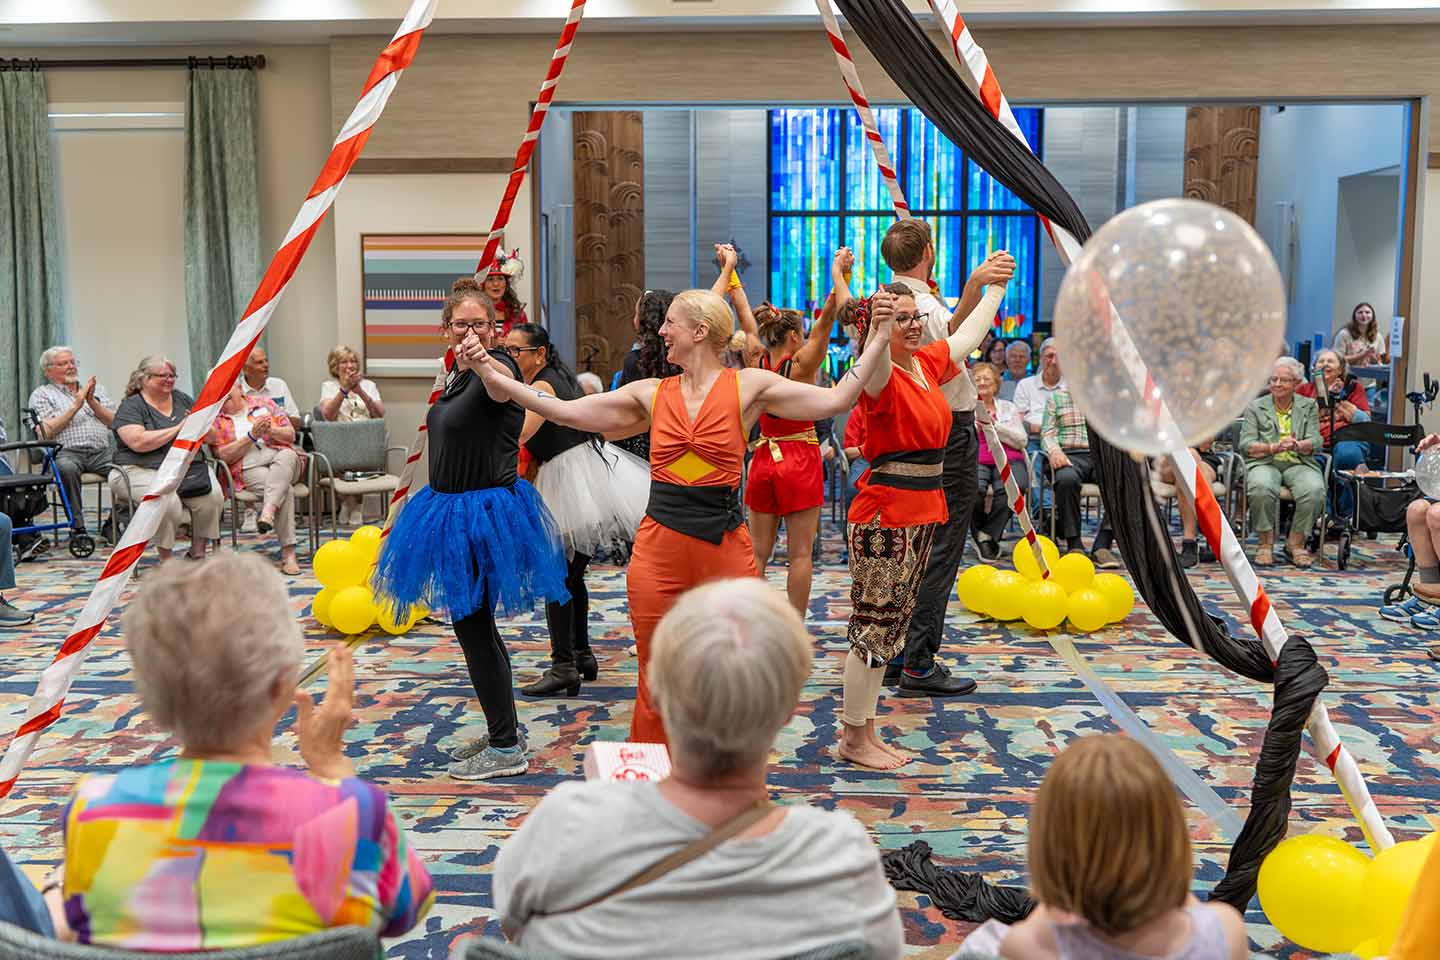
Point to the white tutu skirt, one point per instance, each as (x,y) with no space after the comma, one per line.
(598,497)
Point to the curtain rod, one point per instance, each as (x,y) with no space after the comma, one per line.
(256,62)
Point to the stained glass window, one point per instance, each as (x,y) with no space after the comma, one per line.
(826,189)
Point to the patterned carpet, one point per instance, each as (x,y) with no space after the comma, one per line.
(979,758)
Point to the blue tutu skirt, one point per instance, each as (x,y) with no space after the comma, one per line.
(449,550)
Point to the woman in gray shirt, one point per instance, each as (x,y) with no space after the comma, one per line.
(727,666)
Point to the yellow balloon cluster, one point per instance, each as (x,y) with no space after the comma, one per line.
(1074,591)
(345,603)
(1326,896)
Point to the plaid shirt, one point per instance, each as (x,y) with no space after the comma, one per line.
(85,431)
(1063,427)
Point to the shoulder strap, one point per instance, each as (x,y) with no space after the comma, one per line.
(693,850)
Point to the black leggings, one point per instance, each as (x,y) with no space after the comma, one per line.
(570,621)
(489,665)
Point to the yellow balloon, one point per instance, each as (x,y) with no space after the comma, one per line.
(367,538)
(1024,556)
(340,564)
(353,610)
(1074,571)
(1087,609)
(1388,884)
(320,606)
(1310,889)
(971,586)
(1368,949)
(1005,595)
(1118,595)
(385,617)
(1045,605)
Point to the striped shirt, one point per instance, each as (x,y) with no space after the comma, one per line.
(1063,427)
(85,431)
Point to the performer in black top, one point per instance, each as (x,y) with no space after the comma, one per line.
(477,536)
(596,492)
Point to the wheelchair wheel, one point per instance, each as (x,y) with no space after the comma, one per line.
(81,545)
(1393,594)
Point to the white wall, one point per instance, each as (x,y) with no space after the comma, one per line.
(1304,151)
(1367,236)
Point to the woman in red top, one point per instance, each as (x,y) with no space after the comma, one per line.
(693,529)
(499,286)
(893,518)
(786,480)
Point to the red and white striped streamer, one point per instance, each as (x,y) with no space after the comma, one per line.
(54,684)
(1217,530)
(1013,495)
(851,78)
(497,233)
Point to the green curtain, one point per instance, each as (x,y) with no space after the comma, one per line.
(222,208)
(31,312)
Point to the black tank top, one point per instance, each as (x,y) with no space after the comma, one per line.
(552,439)
(474,440)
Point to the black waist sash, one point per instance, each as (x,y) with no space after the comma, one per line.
(909,469)
(705,513)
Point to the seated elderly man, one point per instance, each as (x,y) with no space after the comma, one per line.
(78,417)
(1279,436)
(257,382)
(1017,368)
(1422,524)
(219,847)
(726,668)
(1066,441)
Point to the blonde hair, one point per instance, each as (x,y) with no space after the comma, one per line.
(142,370)
(467,288)
(985,366)
(706,307)
(342,352)
(726,667)
(208,641)
(1108,839)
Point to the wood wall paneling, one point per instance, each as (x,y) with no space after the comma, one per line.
(1222,157)
(609,235)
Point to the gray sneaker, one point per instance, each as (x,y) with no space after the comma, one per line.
(13,616)
(489,764)
(1107,559)
(466,749)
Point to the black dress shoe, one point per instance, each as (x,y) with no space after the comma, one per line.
(892,674)
(586,663)
(939,683)
(561,677)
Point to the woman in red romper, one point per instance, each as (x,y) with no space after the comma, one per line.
(786,479)
(900,502)
(693,529)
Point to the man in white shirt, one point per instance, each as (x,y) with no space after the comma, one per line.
(78,416)
(909,251)
(257,382)
(1032,393)
(1017,367)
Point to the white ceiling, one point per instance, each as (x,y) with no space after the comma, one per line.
(58,22)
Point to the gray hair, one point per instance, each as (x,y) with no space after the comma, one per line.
(1296,368)
(726,667)
(590,380)
(48,357)
(1048,342)
(1339,358)
(1019,345)
(142,369)
(208,642)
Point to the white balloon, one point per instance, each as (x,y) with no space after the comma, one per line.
(1201,299)
(1427,473)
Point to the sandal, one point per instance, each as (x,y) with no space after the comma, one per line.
(1299,556)
(1265,556)
(290,568)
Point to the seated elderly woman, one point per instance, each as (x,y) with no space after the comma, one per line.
(146,424)
(992,508)
(1344,403)
(726,667)
(1279,436)
(1422,525)
(253,438)
(348,396)
(220,847)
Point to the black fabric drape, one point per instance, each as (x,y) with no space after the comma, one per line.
(957,894)
(905,52)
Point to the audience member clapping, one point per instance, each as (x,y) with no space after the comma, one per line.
(218,847)
(77,416)
(345,397)
(1422,525)
(727,667)
(1279,436)
(992,507)
(1344,402)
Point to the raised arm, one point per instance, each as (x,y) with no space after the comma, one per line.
(999,267)
(794,400)
(812,352)
(613,412)
(728,258)
(967,336)
(746,316)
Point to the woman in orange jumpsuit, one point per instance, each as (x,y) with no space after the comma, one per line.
(693,529)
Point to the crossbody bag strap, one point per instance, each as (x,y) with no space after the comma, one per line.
(693,850)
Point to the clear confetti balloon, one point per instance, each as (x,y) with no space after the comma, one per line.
(1427,473)
(1197,303)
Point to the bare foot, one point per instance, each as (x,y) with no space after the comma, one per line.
(867,754)
(290,566)
(873,738)
(1426,592)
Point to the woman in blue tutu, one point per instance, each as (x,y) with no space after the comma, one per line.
(477,536)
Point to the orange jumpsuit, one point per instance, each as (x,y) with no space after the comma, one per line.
(709,452)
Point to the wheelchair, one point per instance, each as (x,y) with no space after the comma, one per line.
(25,496)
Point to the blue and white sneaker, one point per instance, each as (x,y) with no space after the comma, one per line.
(1403,611)
(1428,620)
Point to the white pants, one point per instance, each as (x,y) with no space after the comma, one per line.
(271,481)
(204,510)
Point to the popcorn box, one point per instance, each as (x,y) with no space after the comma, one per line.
(612,760)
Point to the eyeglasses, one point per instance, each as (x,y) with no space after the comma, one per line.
(476,326)
(523,349)
(902,319)
(1278,380)
(159,376)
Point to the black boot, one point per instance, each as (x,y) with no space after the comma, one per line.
(562,676)
(586,663)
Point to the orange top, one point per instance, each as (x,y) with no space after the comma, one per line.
(709,452)
(771,426)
